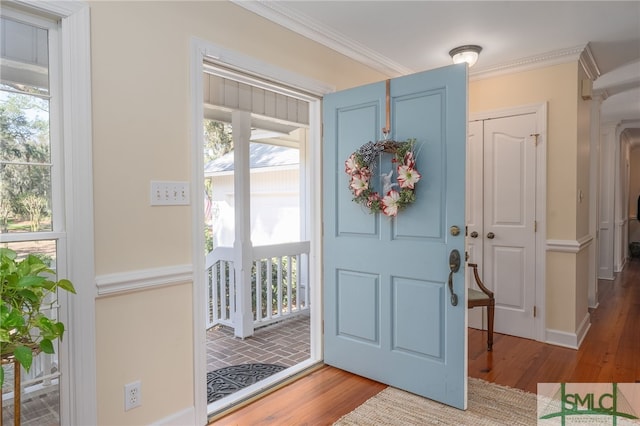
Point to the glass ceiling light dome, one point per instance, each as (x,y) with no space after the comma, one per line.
(468,53)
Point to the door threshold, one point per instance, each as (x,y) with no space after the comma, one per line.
(269,385)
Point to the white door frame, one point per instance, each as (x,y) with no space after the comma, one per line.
(201,49)
(541,201)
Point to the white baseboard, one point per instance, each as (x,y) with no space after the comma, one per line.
(181,418)
(569,340)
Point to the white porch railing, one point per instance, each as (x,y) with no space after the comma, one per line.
(41,378)
(279,283)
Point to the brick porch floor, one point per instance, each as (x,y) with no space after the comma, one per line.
(284,343)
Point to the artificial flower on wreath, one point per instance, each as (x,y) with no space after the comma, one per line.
(360,167)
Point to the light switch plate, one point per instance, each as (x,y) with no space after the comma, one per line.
(165,193)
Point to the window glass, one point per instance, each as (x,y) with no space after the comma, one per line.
(27,186)
(25,144)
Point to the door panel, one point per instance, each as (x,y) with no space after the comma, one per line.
(358,122)
(509,213)
(387,305)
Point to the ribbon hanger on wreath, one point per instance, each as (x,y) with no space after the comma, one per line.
(361,165)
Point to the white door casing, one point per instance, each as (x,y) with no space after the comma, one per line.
(502,179)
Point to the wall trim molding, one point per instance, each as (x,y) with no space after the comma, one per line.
(182,417)
(315,31)
(570,340)
(570,246)
(144,279)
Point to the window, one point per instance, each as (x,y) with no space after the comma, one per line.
(31,178)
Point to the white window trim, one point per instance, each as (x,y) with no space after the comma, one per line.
(78,396)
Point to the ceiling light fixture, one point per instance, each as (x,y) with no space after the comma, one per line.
(468,54)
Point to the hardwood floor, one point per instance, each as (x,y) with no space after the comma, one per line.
(609,353)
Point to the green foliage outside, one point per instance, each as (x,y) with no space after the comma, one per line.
(273,282)
(25,158)
(222,274)
(218,141)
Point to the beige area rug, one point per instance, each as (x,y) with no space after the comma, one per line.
(488,404)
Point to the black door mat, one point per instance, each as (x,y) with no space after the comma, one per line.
(227,380)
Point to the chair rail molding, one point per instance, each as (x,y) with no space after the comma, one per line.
(144,279)
(570,246)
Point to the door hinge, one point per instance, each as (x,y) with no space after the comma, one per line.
(535,311)
(535,226)
(535,141)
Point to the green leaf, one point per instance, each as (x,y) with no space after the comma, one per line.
(4,312)
(1,376)
(30,281)
(47,346)
(46,326)
(66,285)
(24,356)
(14,319)
(59,329)
(29,295)
(5,252)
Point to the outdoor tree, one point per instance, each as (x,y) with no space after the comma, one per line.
(218,141)
(24,156)
(35,206)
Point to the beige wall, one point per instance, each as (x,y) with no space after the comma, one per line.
(141,132)
(146,336)
(567,172)
(556,85)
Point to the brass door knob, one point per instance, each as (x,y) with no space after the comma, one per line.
(491,235)
(474,234)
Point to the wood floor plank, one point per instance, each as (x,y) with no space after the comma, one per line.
(610,353)
(317,399)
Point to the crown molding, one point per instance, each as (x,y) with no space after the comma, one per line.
(548,59)
(588,63)
(313,30)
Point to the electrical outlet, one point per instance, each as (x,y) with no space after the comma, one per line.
(169,193)
(132,395)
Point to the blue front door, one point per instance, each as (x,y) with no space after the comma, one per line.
(388,312)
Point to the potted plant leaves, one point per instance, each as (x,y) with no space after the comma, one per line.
(27,286)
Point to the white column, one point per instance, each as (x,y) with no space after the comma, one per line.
(594,179)
(242,248)
(606,225)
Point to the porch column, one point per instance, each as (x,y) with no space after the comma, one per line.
(242,248)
